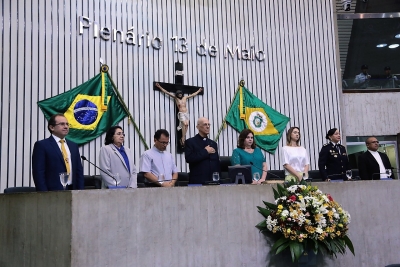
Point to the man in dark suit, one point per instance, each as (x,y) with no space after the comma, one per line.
(202,154)
(55,155)
(372,164)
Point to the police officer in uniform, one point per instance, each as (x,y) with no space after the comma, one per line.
(333,161)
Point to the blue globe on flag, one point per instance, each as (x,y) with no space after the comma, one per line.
(85,112)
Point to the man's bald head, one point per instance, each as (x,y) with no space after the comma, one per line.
(372,143)
(203,125)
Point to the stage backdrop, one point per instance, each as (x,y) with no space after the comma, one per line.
(287,58)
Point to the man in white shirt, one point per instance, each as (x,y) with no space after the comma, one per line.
(372,164)
(157,164)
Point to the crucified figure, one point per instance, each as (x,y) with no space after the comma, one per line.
(183,115)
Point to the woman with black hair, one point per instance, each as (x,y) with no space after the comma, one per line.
(117,160)
(247,153)
(333,161)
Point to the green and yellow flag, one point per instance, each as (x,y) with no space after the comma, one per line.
(91,108)
(267,124)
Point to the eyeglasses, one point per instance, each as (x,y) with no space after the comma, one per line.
(374,142)
(120,133)
(164,143)
(62,124)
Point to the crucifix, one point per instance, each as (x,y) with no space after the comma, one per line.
(177,91)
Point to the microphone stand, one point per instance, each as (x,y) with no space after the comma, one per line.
(116,183)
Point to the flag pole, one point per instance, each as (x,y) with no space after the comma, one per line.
(120,99)
(241,84)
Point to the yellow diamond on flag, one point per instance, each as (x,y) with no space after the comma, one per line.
(85,112)
(259,122)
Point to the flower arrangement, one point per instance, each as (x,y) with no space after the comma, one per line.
(304,218)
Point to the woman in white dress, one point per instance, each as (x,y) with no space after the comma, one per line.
(295,157)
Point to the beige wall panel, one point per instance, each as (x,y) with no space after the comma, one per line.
(366,114)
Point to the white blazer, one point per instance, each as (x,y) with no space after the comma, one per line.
(113,162)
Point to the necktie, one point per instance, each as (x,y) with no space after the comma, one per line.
(65,156)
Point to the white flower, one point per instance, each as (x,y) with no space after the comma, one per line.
(293,214)
(271,223)
(281,198)
(285,213)
(292,188)
(302,205)
(301,219)
(348,216)
(319,230)
(323,210)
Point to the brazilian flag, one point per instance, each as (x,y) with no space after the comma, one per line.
(248,111)
(90,108)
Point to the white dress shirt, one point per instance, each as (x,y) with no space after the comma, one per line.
(382,169)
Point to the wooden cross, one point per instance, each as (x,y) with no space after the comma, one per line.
(173,88)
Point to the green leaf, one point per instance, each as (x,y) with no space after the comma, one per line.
(316,246)
(349,244)
(279,243)
(264,212)
(262,225)
(282,248)
(276,194)
(267,203)
(328,247)
(281,190)
(296,249)
(338,245)
(271,206)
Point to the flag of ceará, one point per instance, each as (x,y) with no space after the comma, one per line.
(248,111)
(90,108)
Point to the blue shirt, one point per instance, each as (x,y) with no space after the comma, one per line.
(158,162)
(121,150)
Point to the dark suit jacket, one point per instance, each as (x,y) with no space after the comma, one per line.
(48,162)
(201,164)
(332,164)
(368,167)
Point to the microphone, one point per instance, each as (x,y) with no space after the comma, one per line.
(273,174)
(84,158)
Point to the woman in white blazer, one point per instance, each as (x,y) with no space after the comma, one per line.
(117,160)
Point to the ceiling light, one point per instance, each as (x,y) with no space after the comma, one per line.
(397,35)
(393,45)
(381,45)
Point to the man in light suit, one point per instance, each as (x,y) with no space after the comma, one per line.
(372,164)
(48,160)
(115,159)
